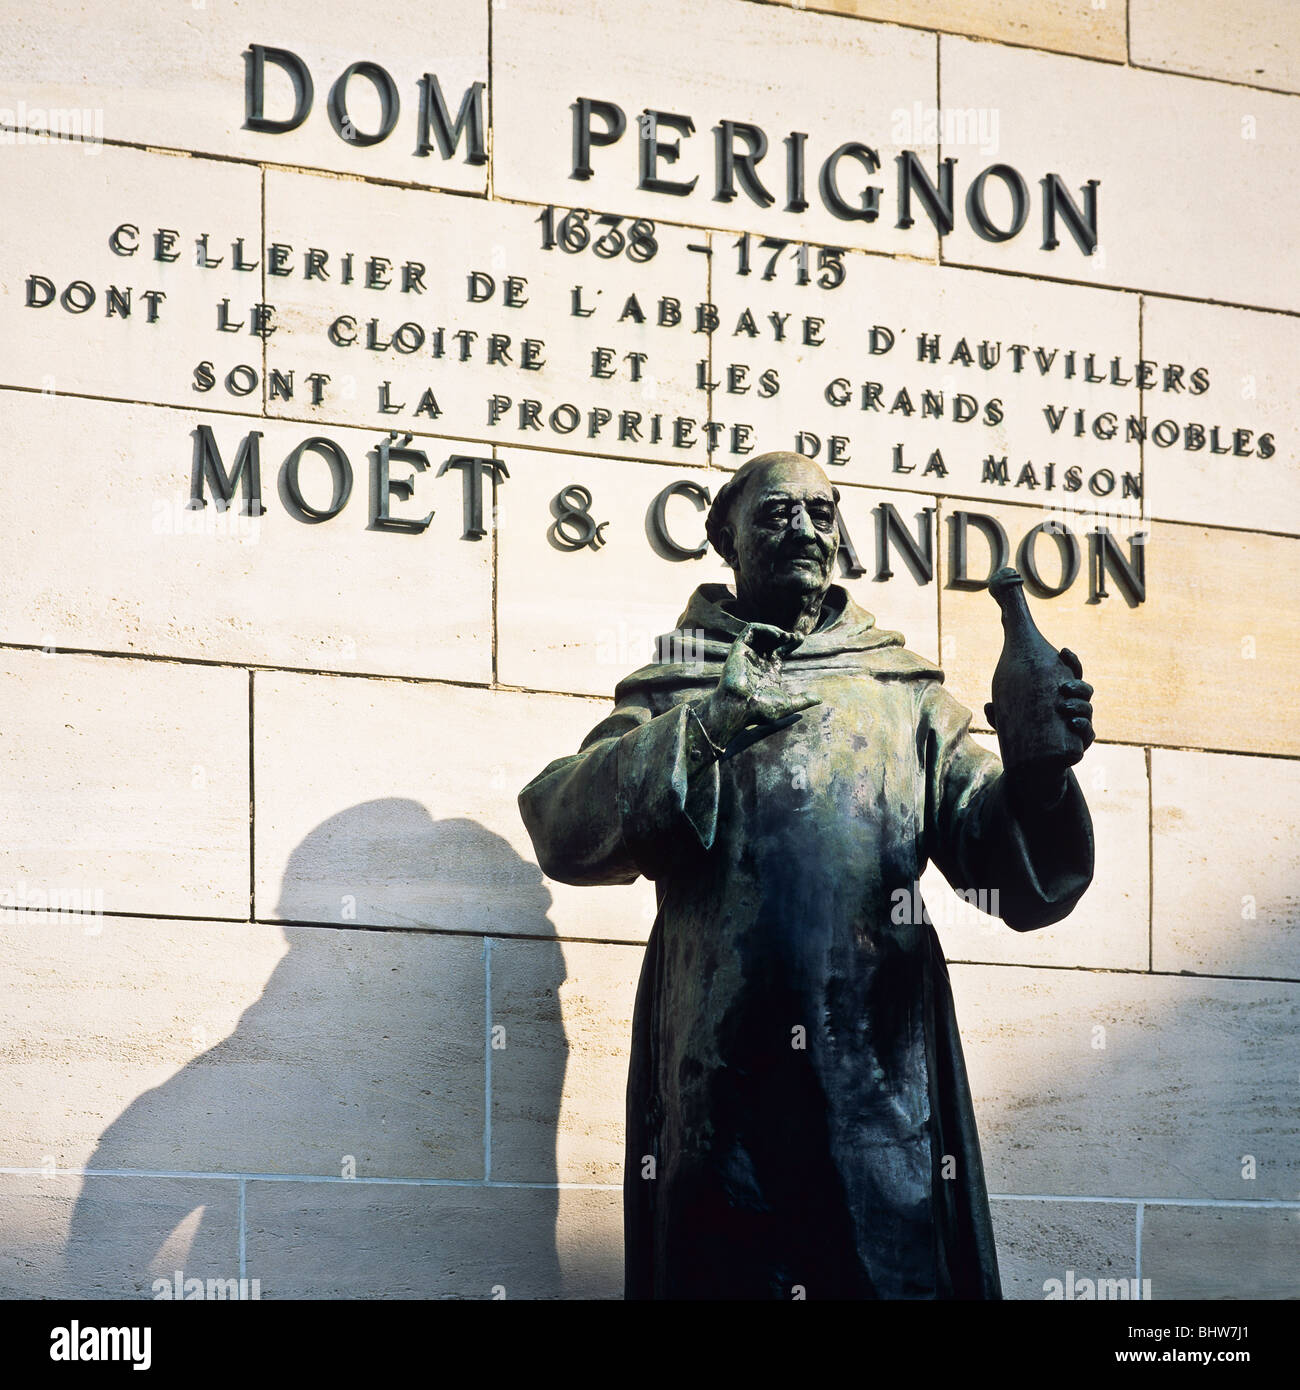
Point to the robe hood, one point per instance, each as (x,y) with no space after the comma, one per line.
(848,640)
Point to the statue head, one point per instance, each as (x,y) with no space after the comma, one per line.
(774,523)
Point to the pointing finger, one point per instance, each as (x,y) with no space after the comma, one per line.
(766,640)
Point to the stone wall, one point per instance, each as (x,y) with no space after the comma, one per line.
(286,996)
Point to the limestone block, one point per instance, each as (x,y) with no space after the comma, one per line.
(1077,119)
(831,78)
(491,320)
(1130,1085)
(402,1241)
(904,359)
(1224,831)
(130,567)
(1041,1241)
(1246,357)
(386,803)
(1220,1252)
(175,77)
(1249,41)
(1065,26)
(199,1047)
(67,331)
(113,1237)
(126,785)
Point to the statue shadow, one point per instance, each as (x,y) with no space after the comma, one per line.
(364,1044)
(306,1065)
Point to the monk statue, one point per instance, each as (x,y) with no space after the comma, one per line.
(799,1122)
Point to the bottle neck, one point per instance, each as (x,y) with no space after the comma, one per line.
(1015,611)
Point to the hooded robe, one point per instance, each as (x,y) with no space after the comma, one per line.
(799,1122)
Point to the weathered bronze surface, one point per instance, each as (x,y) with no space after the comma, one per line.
(799,1122)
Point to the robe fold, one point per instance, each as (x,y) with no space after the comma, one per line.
(799,1122)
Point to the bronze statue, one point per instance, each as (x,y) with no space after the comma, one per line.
(799,1122)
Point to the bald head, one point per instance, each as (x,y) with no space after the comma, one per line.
(779,465)
(774,523)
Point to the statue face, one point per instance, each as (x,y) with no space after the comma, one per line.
(784,533)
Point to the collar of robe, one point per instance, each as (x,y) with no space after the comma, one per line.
(847,639)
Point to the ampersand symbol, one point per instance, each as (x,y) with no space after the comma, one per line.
(574,526)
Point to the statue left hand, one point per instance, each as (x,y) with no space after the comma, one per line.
(1041,788)
(1073,703)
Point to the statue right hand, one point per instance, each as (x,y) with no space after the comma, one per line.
(749,690)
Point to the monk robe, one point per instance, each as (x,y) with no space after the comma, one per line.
(799,1122)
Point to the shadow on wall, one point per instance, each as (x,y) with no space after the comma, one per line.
(372,1043)
(364,1043)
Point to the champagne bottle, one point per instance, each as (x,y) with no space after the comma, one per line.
(1032,734)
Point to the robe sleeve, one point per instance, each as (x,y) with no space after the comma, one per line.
(640,791)
(1040,862)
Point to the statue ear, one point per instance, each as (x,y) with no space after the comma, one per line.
(835,494)
(727,546)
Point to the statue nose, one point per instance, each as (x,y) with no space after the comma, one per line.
(801,522)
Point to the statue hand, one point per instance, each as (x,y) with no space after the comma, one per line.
(1035,788)
(748,691)
(1073,703)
